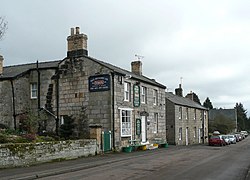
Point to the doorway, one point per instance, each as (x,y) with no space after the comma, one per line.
(143,129)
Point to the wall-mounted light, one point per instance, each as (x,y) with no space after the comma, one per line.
(148,121)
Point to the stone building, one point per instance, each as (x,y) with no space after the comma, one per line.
(186,120)
(125,103)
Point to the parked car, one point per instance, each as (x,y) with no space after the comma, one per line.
(245,133)
(226,139)
(232,139)
(239,136)
(216,140)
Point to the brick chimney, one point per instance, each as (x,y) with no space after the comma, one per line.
(77,43)
(179,91)
(136,67)
(1,65)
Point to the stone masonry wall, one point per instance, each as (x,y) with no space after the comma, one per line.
(14,155)
(148,107)
(6,114)
(76,100)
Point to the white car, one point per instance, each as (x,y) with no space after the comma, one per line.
(244,133)
(232,139)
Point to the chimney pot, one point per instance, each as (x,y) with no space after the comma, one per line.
(72,31)
(77,30)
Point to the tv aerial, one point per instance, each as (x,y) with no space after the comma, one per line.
(139,57)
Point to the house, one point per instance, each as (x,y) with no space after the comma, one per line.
(186,120)
(125,103)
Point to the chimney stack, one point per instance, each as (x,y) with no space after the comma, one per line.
(179,91)
(136,67)
(1,65)
(77,43)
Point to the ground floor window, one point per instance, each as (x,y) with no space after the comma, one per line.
(126,122)
(180,134)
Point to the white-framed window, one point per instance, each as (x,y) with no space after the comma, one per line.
(186,113)
(195,114)
(155,97)
(126,122)
(143,95)
(127,91)
(155,122)
(201,114)
(180,134)
(33,90)
(180,112)
(61,120)
(195,133)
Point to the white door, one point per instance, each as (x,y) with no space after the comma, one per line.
(143,128)
(199,135)
(186,136)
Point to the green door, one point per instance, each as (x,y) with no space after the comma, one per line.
(106,141)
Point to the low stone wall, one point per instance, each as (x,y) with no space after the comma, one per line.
(23,154)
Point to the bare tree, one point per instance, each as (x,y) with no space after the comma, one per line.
(3,27)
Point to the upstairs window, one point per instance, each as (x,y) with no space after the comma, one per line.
(33,90)
(186,113)
(143,95)
(194,114)
(127,90)
(180,112)
(155,97)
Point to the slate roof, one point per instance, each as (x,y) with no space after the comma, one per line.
(17,70)
(126,72)
(183,101)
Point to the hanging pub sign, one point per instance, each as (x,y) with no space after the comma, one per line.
(138,126)
(136,95)
(99,83)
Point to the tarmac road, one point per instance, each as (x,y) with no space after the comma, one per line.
(176,162)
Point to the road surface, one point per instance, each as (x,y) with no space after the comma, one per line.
(199,162)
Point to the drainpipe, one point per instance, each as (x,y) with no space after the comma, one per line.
(13,103)
(57,100)
(203,127)
(38,87)
(113,109)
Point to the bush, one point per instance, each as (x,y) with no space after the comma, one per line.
(3,138)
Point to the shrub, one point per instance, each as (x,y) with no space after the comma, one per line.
(3,138)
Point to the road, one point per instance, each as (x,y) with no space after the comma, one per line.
(176,162)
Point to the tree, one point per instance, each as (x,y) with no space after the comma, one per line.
(207,103)
(3,27)
(222,124)
(66,130)
(241,117)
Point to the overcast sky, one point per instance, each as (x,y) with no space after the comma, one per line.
(203,44)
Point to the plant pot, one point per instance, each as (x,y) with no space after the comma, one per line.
(164,145)
(127,149)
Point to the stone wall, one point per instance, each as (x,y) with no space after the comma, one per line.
(23,154)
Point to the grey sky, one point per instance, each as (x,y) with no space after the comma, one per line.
(204,42)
